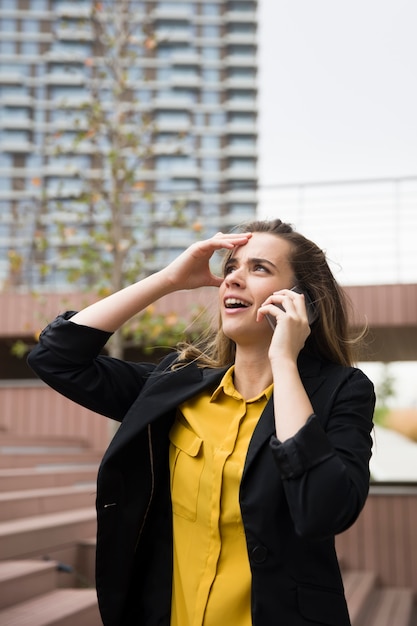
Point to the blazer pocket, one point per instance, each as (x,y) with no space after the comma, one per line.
(186,463)
(322,605)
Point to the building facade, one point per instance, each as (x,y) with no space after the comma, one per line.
(197,81)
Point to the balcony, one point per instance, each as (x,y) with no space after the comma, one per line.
(15,147)
(174,13)
(16,123)
(64,78)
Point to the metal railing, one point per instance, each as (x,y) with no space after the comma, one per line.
(367,227)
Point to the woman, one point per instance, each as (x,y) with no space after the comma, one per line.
(236,462)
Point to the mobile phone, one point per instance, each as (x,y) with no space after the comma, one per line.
(310,308)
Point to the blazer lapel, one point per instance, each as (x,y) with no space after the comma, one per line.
(165,391)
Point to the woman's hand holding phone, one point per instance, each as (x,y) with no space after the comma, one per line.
(287,312)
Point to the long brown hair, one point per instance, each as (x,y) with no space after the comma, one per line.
(330,336)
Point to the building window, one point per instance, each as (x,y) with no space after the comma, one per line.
(241,28)
(241,72)
(18,113)
(210,30)
(164,27)
(12,91)
(211,75)
(172,117)
(210,164)
(166,50)
(14,136)
(174,162)
(61,92)
(29,47)
(210,97)
(177,7)
(185,71)
(242,209)
(241,141)
(241,50)
(7,25)
(210,53)
(7,47)
(217,119)
(241,185)
(241,163)
(241,95)
(30,26)
(5,160)
(209,8)
(241,117)
(39,5)
(33,161)
(241,5)
(210,186)
(5,184)
(210,142)
(71,49)
(176,184)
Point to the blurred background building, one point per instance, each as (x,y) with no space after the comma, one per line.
(199,85)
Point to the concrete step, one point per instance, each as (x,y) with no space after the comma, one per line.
(44,534)
(62,607)
(23,580)
(17,479)
(51,441)
(86,559)
(387,606)
(30,502)
(358,586)
(43,457)
(372,605)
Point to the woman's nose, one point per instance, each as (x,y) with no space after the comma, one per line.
(235,277)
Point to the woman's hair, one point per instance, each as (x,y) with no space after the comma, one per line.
(330,336)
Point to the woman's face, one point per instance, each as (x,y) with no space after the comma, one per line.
(252,273)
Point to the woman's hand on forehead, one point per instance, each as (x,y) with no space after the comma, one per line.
(192,268)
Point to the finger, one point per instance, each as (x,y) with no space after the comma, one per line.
(231,240)
(270,310)
(215,244)
(293,304)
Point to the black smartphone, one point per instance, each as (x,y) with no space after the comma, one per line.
(310,307)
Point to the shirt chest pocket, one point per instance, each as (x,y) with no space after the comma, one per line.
(186,464)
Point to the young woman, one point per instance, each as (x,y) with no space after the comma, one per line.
(237,461)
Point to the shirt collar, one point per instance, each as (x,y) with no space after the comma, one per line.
(227,386)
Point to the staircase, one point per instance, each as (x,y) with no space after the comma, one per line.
(372,605)
(47,542)
(47,530)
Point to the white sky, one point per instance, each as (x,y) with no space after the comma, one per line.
(338,89)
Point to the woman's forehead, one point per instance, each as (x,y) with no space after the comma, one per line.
(263,246)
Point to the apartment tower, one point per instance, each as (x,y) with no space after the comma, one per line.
(199,82)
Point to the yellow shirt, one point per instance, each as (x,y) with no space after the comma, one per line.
(209,442)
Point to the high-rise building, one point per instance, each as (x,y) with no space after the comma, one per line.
(199,83)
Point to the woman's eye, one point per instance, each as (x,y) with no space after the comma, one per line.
(260,268)
(228,269)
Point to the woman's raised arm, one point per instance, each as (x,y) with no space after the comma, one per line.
(189,270)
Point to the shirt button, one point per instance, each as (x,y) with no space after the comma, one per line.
(259,554)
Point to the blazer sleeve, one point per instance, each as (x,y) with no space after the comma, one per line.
(325,466)
(68,359)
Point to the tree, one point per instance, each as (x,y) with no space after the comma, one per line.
(102,213)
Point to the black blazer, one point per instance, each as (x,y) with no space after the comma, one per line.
(294,496)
